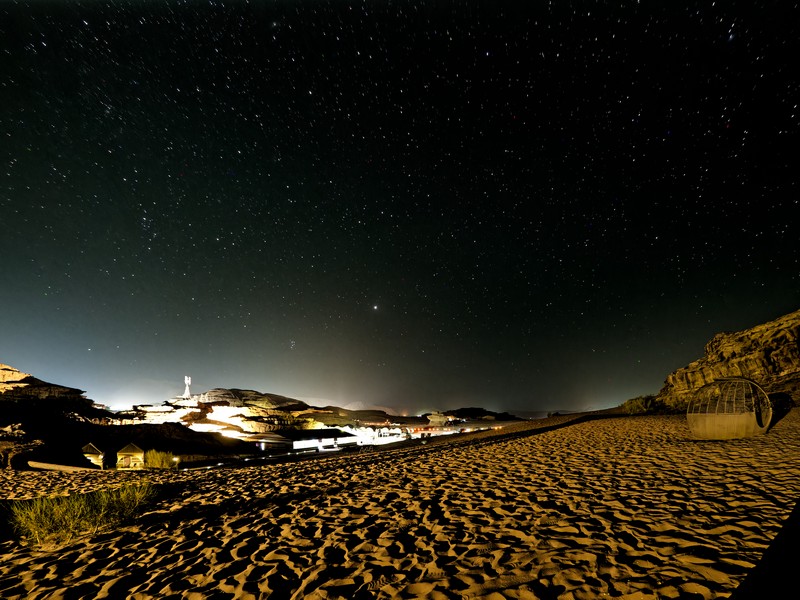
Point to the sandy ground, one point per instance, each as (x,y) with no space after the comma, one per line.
(629,508)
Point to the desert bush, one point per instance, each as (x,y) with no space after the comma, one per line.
(643,405)
(58,519)
(155,459)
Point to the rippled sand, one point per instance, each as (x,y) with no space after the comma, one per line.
(626,507)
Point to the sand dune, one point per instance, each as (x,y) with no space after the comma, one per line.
(628,508)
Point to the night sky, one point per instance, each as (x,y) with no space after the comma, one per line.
(415,205)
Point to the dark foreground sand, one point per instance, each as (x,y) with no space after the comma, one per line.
(629,508)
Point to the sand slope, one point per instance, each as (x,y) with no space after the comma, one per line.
(628,508)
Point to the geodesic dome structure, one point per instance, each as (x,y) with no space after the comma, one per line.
(729,408)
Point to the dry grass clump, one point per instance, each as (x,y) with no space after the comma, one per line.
(59,519)
(646,405)
(155,459)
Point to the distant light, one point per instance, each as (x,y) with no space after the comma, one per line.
(374,307)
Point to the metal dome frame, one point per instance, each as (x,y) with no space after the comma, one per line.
(729,408)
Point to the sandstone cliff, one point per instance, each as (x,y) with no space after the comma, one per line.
(16,385)
(11,379)
(769,354)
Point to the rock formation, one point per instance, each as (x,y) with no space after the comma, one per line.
(38,405)
(19,386)
(11,378)
(769,354)
(232,412)
(32,411)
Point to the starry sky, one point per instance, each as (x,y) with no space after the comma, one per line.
(415,205)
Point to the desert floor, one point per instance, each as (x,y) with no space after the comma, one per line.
(628,507)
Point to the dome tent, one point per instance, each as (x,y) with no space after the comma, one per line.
(729,408)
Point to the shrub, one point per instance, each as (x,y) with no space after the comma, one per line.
(155,459)
(643,405)
(58,519)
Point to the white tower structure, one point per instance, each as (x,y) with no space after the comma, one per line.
(188,381)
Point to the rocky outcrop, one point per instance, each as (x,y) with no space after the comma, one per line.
(37,417)
(232,412)
(769,354)
(16,385)
(237,397)
(11,379)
